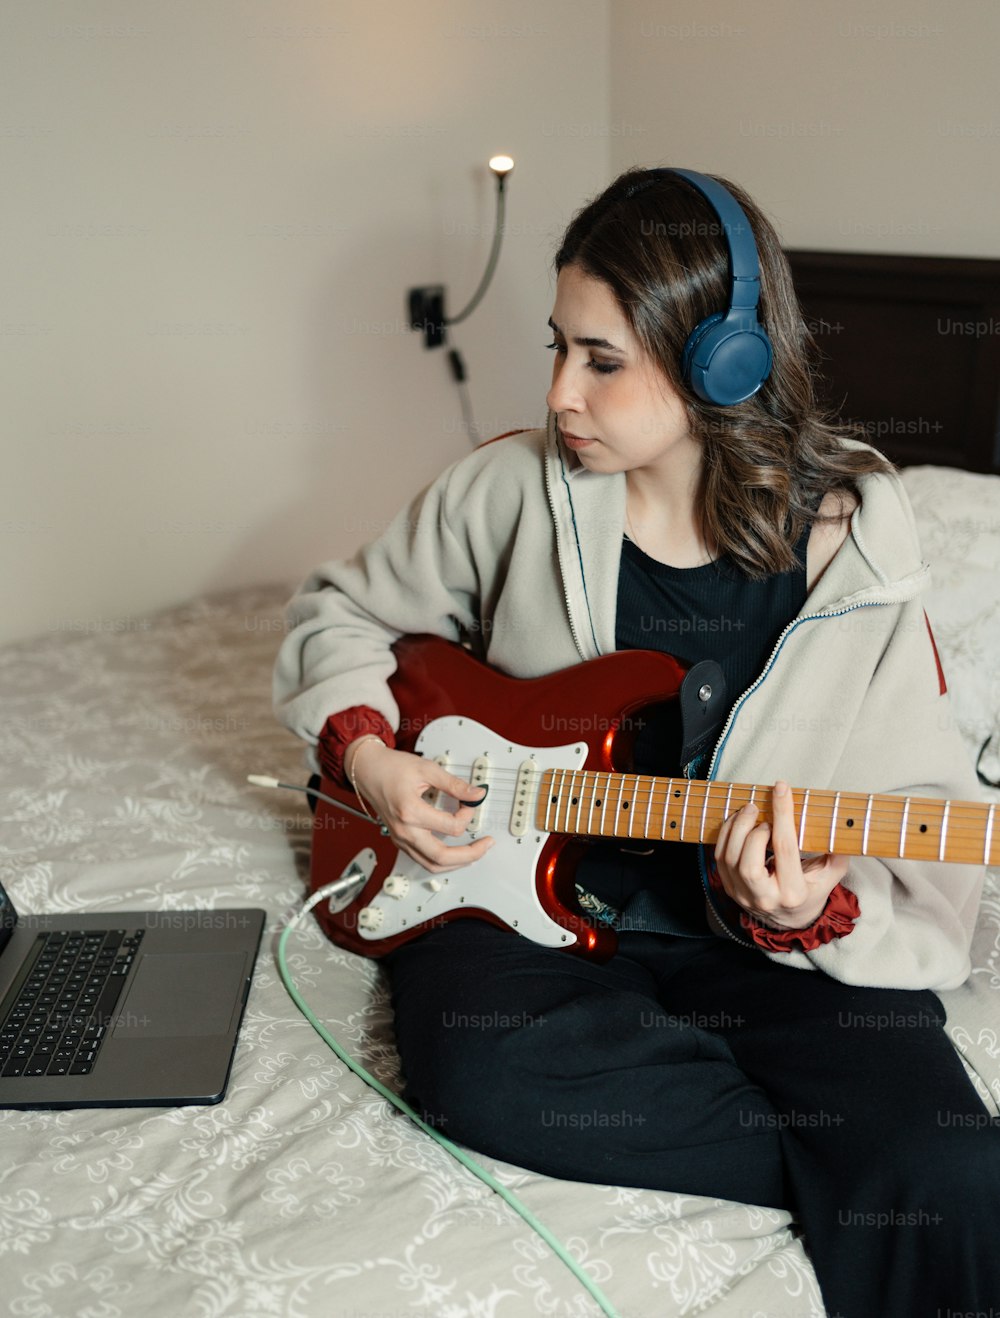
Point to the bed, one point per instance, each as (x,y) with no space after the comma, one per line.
(123,784)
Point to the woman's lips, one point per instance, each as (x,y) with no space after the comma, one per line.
(574,441)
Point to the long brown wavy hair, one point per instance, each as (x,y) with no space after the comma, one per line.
(767,462)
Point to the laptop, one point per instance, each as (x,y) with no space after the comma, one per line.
(124,1008)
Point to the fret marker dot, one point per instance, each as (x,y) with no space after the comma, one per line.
(597,804)
(923,828)
(850,823)
(576,800)
(673,823)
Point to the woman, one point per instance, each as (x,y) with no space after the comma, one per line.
(768,1030)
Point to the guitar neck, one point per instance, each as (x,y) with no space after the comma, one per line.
(594,804)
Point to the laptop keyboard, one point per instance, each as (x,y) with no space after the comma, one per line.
(61,1014)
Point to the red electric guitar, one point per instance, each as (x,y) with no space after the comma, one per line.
(553,753)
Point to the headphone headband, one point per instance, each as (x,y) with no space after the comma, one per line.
(727,356)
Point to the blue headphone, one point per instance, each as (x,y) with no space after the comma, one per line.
(727,357)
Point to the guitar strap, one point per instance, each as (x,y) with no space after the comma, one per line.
(703,708)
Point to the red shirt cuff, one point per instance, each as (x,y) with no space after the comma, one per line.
(343,728)
(834,921)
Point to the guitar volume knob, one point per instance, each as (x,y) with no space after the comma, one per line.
(370,918)
(396,885)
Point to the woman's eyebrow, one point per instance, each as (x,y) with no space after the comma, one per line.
(588,343)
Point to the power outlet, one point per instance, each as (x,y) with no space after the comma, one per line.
(426,309)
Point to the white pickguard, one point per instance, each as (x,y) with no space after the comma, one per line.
(503,881)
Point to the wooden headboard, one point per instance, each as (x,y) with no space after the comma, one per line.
(910,351)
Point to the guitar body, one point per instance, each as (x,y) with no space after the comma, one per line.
(502,731)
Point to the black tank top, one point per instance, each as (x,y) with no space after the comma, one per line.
(709,612)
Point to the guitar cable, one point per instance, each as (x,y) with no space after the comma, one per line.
(332,890)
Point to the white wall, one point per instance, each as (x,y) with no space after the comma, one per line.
(865,125)
(213,208)
(212,211)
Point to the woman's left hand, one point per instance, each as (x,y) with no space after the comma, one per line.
(784,889)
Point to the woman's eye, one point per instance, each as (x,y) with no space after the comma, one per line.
(603,368)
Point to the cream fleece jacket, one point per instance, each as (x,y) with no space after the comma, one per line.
(515,549)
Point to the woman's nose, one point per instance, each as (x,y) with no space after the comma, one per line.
(564,394)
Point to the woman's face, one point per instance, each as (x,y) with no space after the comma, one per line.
(614,406)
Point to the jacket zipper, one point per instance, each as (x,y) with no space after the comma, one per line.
(562,575)
(723,736)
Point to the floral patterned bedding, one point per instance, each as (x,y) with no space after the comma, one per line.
(123,754)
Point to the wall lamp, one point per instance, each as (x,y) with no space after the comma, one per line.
(426,305)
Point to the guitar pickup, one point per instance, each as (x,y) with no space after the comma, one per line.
(479,777)
(434,795)
(525,794)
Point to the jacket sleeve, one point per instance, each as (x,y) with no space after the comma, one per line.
(336,655)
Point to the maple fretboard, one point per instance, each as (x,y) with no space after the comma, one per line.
(595,804)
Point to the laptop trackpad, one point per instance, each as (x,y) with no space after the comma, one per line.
(182,993)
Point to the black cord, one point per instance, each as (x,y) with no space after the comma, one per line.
(457,363)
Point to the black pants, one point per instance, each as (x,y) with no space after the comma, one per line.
(700,1067)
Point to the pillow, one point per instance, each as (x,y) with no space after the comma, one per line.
(958,519)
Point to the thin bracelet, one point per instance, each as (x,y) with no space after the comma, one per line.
(369,736)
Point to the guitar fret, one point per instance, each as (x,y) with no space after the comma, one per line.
(576,792)
(557,794)
(592,779)
(989,835)
(725,808)
(868,820)
(833,821)
(565,790)
(704,808)
(684,811)
(944,829)
(604,803)
(902,828)
(649,806)
(802,819)
(618,809)
(632,805)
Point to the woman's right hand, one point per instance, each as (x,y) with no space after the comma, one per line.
(394,784)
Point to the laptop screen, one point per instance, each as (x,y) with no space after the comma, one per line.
(8,918)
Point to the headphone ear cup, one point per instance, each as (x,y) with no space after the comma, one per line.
(693,340)
(726,358)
